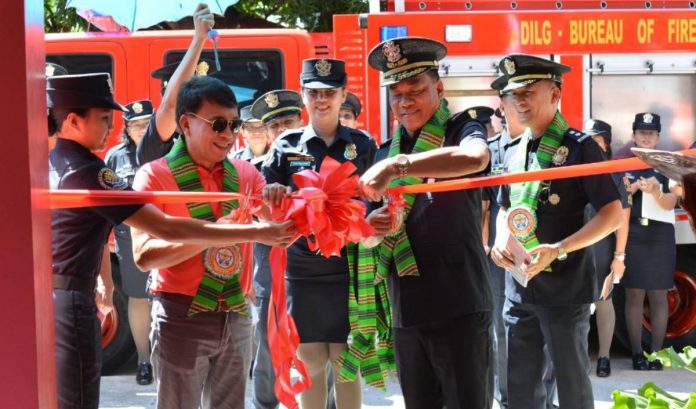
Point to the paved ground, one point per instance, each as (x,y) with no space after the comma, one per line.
(120,391)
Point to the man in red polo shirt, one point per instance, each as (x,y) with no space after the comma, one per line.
(201,328)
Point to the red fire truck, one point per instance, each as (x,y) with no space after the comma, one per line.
(626,57)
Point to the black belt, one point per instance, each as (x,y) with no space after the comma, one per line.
(184,299)
(74,283)
(643,221)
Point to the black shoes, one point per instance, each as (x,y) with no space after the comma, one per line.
(655,365)
(640,363)
(144,375)
(603,367)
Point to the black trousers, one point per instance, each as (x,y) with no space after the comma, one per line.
(563,329)
(447,364)
(78,349)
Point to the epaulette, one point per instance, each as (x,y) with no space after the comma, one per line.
(576,135)
(289,132)
(494,139)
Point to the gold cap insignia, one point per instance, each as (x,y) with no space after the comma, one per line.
(202,69)
(392,52)
(50,70)
(509,66)
(137,107)
(647,118)
(323,68)
(271,100)
(472,113)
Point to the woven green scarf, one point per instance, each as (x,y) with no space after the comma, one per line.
(397,247)
(527,194)
(371,346)
(212,288)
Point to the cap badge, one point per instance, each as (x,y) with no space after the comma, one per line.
(351,151)
(647,118)
(110,84)
(323,68)
(271,100)
(509,66)
(108,179)
(202,69)
(472,113)
(392,52)
(50,70)
(137,107)
(560,156)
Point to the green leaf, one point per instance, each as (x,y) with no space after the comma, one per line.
(670,358)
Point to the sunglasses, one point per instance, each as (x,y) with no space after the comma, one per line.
(219,125)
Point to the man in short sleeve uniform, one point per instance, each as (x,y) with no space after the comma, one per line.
(546,217)
(78,237)
(437,275)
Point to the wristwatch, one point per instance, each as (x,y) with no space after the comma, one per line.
(562,255)
(620,256)
(402,164)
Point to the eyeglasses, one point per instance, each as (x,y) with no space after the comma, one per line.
(219,125)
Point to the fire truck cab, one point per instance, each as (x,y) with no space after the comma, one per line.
(626,57)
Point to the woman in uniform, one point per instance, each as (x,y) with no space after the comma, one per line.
(609,254)
(122,160)
(317,286)
(651,249)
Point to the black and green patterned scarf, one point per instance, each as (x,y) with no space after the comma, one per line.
(212,287)
(526,195)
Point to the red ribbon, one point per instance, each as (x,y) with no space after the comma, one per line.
(324,212)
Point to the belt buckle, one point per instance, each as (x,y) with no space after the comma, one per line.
(644,221)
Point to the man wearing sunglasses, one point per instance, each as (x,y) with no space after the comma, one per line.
(552,309)
(201,349)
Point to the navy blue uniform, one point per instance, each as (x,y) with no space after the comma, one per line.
(651,249)
(498,147)
(316,285)
(554,309)
(151,146)
(449,304)
(122,159)
(78,237)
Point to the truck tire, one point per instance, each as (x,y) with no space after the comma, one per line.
(117,342)
(681,328)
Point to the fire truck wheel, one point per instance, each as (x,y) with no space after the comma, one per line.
(117,343)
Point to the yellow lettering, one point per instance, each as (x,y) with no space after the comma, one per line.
(533,33)
(591,32)
(681,31)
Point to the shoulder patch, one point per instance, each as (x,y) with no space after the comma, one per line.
(576,135)
(109,180)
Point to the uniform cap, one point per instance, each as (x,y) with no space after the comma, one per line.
(405,57)
(203,68)
(352,103)
(277,103)
(523,70)
(596,127)
(323,73)
(480,113)
(55,69)
(138,110)
(246,115)
(647,120)
(81,91)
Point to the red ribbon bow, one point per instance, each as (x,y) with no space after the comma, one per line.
(324,212)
